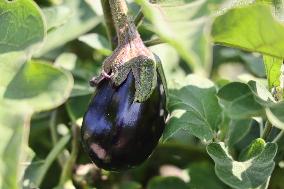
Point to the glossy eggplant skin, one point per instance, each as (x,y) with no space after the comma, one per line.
(119,133)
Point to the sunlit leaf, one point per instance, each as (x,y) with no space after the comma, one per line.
(258,30)
(250,173)
(56,16)
(194,108)
(272,67)
(98,42)
(184,24)
(41,86)
(14,129)
(82,20)
(22,26)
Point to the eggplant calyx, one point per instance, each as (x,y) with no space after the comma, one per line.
(131,55)
(129,58)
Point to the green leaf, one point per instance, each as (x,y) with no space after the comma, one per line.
(98,42)
(77,106)
(14,129)
(184,24)
(82,20)
(39,85)
(238,101)
(22,26)
(254,149)
(247,174)
(275,115)
(200,171)
(258,30)
(56,16)
(254,63)
(170,62)
(261,94)
(238,129)
(194,108)
(166,183)
(272,67)
(36,171)
(66,61)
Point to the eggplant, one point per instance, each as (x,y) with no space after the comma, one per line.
(119,133)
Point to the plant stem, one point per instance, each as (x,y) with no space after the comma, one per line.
(109,23)
(139,18)
(54,136)
(267,130)
(67,169)
(153,42)
(278,137)
(52,125)
(125,28)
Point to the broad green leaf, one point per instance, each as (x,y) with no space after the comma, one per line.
(238,129)
(66,61)
(261,94)
(185,25)
(194,108)
(82,20)
(272,67)
(200,171)
(246,174)
(56,16)
(81,90)
(254,149)
(166,183)
(39,85)
(258,30)
(98,42)
(170,62)
(275,115)
(14,129)
(254,63)
(22,26)
(238,101)
(245,100)
(36,171)
(77,106)
(277,8)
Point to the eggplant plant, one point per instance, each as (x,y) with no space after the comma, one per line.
(140,94)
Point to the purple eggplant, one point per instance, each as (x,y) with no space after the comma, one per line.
(119,133)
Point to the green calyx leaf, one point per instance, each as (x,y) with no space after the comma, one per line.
(144,70)
(145,75)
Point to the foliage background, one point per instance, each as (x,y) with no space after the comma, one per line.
(222,59)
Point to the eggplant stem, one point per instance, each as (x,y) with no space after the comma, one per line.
(125,27)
